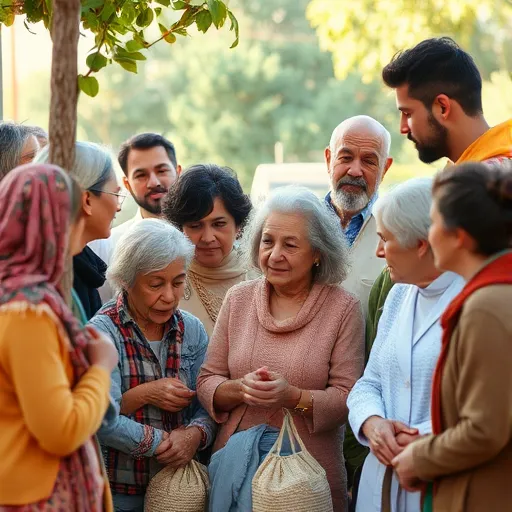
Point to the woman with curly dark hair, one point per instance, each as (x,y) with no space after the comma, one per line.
(208,204)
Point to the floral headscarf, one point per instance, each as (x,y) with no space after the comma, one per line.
(35,209)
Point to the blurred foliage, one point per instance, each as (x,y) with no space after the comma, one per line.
(120,27)
(363,35)
(231,107)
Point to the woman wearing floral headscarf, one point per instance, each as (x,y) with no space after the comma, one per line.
(54,376)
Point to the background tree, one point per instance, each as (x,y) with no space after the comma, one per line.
(363,35)
(231,107)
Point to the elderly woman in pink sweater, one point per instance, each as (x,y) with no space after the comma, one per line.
(292,339)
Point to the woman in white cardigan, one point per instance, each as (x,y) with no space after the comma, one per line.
(389,407)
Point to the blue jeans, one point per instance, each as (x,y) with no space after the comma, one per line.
(127,503)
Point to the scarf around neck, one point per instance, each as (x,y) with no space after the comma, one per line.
(498,271)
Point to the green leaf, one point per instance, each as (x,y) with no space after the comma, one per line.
(178,5)
(91,20)
(121,53)
(169,36)
(218,11)
(96,61)
(128,14)
(107,11)
(203,21)
(92,4)
(145,18)
(89,85)
(9,18)
(235,27)
(180,31)
(135,56)
(128,64)
(133,46)
(165,3)
(158,11)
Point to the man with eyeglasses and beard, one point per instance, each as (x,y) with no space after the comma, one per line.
(149,164)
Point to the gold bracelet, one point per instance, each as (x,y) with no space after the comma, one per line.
(305,402)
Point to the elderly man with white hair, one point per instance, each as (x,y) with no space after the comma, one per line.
(390,405)
(161,349)
(357,159)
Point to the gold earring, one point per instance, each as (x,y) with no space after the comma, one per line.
(317,263)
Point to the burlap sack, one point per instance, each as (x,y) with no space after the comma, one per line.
(290,482)
(178,490)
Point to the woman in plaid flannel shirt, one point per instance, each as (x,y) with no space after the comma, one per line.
(161,349)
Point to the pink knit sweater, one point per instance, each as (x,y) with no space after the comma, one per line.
(321,349)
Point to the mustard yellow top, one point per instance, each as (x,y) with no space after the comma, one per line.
(41,417)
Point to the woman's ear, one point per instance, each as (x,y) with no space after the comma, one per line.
(86,203)
(423,248)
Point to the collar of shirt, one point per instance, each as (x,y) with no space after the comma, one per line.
(357,221)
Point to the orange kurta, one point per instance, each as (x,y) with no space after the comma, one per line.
(495,142)
(43,418)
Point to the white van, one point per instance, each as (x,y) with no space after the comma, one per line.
(271,176)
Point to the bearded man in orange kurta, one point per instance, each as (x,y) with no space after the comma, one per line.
(439,95)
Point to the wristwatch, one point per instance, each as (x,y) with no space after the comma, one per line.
(305,402)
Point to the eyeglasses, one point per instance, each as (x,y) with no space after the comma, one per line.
(120,196)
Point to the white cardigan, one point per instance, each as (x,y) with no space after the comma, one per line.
(397,381)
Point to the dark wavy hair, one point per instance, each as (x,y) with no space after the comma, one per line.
(437,66)
(191,197)
(477,197)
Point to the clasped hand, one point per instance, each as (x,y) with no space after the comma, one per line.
(387,438)
(263,388)
(178,448)
(169,394)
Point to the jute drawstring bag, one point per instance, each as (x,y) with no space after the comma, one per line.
(290,482)
(178,490)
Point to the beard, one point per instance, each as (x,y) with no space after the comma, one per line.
(350,201)
(151,205)
(436,146)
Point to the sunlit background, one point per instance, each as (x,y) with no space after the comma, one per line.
(302,66)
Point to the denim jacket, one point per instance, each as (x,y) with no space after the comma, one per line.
(135,440)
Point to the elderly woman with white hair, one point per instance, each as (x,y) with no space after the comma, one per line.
(292,339)
(161,349)
(93,169)
(390,405)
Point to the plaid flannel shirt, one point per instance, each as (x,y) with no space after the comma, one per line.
(129,442)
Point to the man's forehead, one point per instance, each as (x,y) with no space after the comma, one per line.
(361,140)
(148,158)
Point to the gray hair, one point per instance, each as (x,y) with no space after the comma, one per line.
(147,246)
(405,211)
(92,168)
(325,234)
(12,139)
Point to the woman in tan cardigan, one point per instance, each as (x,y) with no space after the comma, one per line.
(291,339)
(208,204)
(469,456)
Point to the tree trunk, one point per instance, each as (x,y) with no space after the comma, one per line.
(65,31)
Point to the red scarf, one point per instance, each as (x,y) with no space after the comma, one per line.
(498,271)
